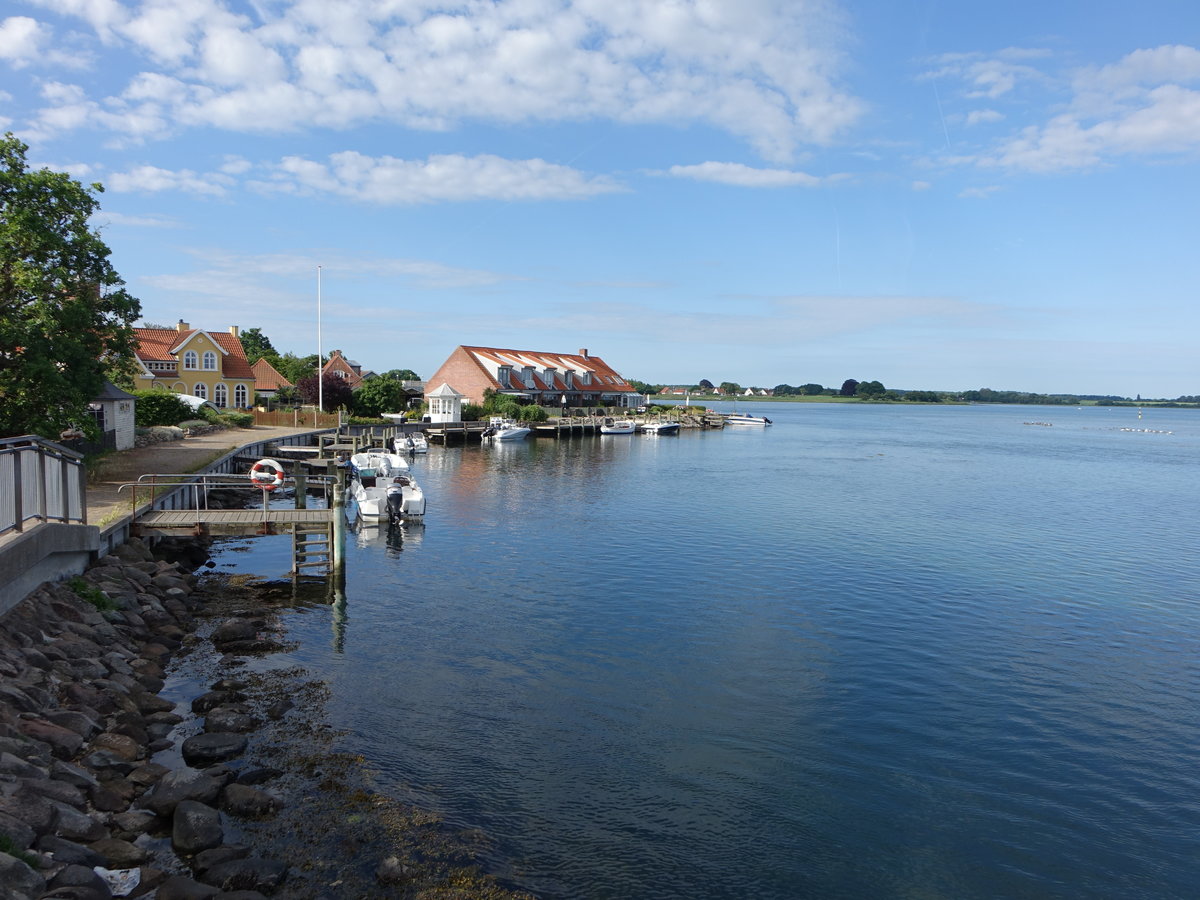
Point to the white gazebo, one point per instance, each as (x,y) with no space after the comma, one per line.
(445,404)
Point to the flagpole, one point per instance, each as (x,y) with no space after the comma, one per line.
(320,373)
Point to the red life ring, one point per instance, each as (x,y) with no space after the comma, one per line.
(266,474)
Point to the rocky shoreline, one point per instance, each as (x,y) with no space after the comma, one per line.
(150,748)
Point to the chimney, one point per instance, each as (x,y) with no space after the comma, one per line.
(583,352)
(183,326)
(233,329)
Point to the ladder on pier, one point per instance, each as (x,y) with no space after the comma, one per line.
(312,547)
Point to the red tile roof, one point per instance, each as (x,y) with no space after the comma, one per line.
(267,377)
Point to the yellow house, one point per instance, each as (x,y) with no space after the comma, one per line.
(186,360)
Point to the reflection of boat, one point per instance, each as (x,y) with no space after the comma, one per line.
(736,419)
(500,429)
(414,442)
(383,488)
(661,428)
(618,426)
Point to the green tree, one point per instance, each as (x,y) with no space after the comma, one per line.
(379,395)
(849,386)
(730,387)
(870,390)
(401,375)
(812,389)
(65,317)
(257,345)
(296,368)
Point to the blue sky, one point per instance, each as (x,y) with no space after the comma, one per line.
(933,195)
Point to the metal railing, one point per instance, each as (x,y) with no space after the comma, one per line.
(40,480)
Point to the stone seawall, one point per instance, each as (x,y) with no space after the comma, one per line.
(141,755)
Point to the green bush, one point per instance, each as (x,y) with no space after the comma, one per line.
(532,413)
(472,412)
(160,408)
(236,419)
(91,594)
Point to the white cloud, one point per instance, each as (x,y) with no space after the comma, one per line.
(105,217)
(978,116)
(21,40)
(979,193)
(387,180)
(152,179)
(986,75)
(764,70)
(1138,106)
(744,176)
(921,185)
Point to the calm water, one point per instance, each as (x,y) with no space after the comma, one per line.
(867,652)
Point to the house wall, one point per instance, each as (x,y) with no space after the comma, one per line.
(462,373)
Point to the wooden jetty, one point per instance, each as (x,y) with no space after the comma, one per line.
(318,535)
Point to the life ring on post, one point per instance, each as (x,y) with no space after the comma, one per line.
(266,474)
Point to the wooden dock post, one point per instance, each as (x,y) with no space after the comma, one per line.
(339,535)
(301,490)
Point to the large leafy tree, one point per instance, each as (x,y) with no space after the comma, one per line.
(379,395)
(257,345)
(64,314)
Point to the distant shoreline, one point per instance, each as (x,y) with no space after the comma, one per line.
(702,399)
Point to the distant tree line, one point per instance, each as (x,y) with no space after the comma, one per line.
(875,390)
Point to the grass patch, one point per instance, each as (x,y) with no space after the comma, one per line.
(7,846)
(91,594)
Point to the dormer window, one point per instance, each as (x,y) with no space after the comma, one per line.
(210,361)
(191,360)
(504,376)
(569,378)
(549,377)
(528,376)
(586,378)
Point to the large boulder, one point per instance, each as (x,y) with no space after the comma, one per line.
(195,827)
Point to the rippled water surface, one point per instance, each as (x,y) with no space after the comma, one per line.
(866,652)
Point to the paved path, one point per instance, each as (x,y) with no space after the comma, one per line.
(105,504)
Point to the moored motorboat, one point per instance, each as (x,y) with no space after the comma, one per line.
(413,442)
(661,428)
(736,419)
(383,487)
(618,426)
(501,429)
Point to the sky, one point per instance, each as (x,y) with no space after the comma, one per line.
(934,195)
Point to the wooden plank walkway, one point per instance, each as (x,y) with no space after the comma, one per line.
(229,521)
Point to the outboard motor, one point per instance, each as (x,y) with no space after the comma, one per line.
(395,502)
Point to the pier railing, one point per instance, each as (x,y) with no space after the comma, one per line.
(40,480)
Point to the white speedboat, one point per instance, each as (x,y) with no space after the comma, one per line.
(413,442)
(661,428)
(383,488)
(618,426)
(736,419)
(500,429)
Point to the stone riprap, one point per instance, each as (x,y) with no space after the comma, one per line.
(83,808)
(234,789)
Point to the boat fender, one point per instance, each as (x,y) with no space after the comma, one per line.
(266,474)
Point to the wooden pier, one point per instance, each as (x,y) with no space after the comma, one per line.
(318,534)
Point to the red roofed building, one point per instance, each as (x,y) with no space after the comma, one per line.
(542,378)
(267,380)
(186,360)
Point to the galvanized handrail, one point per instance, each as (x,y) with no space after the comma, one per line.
(202,483)
(40,479)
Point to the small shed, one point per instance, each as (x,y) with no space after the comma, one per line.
(445,404)
(114,412)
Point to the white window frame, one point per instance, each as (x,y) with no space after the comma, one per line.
(201,390)
(240,396)
(221,395)
(210,361)
(191,360)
